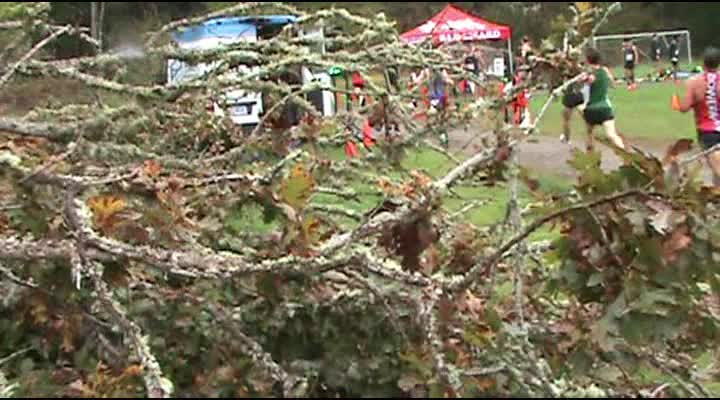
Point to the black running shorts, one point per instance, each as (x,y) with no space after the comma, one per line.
(572,99)
(708,139)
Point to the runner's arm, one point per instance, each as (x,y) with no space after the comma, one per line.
(611,76)
(687,102)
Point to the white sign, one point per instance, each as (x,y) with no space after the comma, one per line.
(482,35)
(460,25)
(499,66)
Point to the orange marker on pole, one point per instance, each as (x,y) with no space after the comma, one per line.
(675,102)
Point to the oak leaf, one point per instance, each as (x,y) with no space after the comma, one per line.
(106,210)
(298,187)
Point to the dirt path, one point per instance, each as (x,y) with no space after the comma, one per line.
(546,154)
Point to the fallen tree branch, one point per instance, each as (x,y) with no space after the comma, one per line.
(156,385)
(471,276)
(48,69)
(45,131)
(6,77)
(372,264)
(292,385)
(18,248)
(336,210)
(700,155)
(15,355)
(11,24)
(428,320)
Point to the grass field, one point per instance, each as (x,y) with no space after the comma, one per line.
(493,200)
(642,114)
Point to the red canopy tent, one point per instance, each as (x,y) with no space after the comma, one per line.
(455,25)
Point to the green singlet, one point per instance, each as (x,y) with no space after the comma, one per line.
(599,109)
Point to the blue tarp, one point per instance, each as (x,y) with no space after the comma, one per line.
(229,27)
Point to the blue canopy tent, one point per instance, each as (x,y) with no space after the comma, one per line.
(224,31)
(230,27)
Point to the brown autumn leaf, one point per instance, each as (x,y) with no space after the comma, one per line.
(151,168)
(384,184)
(583,6)
(4,223)
(133,370)
(312,226)
(298,187)
(105,210)
(64,376)
(485,383)
(476,305)
(39,311)
(80,389)
(174,183)
(432,260)
(421,179)
(678,241)
(532,184)
(409,191)
(503,153)
(446,311)
(132,232)
(677,148)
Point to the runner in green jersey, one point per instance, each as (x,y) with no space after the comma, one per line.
(599,109)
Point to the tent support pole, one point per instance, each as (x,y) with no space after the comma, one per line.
(510,56)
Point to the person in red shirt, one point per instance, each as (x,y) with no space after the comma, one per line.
(703,97)
(358,86)
(521,103)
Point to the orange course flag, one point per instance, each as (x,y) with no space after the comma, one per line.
(675,102)
(368,134)
(350,149)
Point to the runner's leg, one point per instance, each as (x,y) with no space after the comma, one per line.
(567,114)
(627,75)
(589,144)
(611,132)
(714,162)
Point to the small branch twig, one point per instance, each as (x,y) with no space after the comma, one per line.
(700,155)
(53,160)
(15,355)
(5,78)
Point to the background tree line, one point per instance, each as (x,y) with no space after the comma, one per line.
(128,20)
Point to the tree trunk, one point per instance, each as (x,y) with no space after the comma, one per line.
(93,19)
(97,15)
(101,25)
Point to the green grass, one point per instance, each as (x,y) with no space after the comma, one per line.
(494,199)
(642,114)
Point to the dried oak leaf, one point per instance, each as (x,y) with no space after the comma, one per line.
(298,187)
(106,210)
(678,241)
(151,168)
(502,153)
(677,148)
(409,240)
